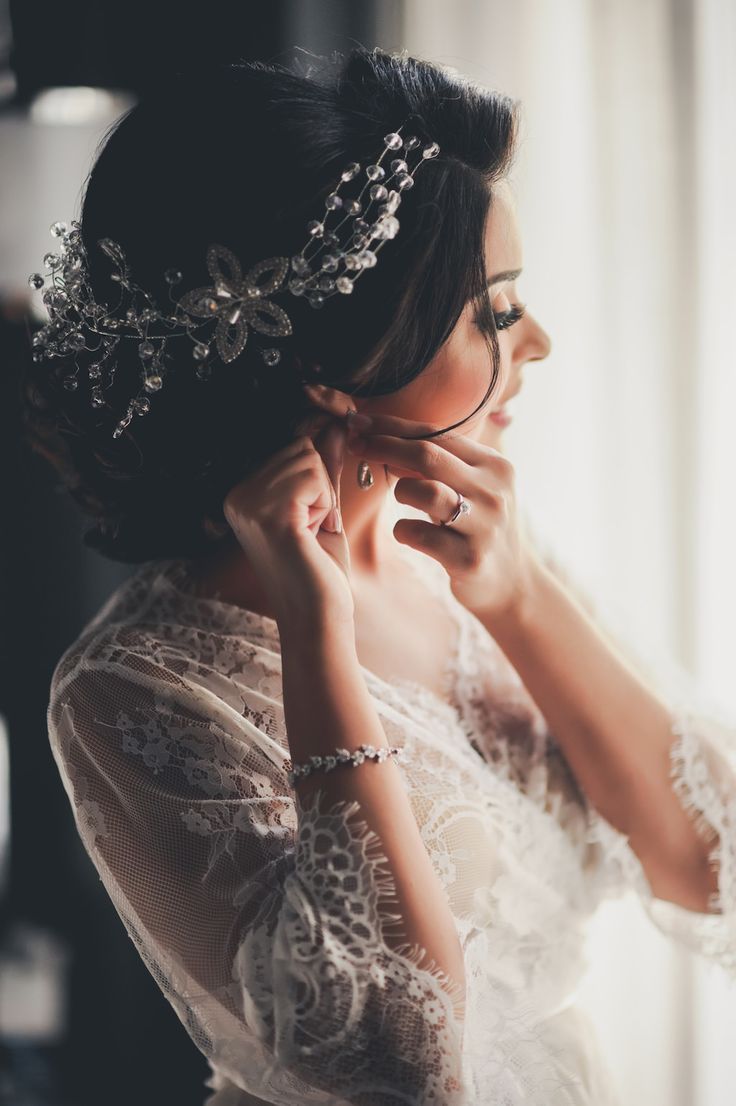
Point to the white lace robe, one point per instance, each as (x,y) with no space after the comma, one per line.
(258,916)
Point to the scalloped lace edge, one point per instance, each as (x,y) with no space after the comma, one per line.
(514,1051)
(704,806)
(387,901)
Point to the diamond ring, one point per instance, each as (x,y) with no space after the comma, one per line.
(463,508)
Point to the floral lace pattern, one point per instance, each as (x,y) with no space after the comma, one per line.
(265,921)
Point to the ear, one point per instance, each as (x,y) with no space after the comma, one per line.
(330,400)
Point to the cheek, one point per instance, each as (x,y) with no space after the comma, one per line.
(466,379)
(451,386)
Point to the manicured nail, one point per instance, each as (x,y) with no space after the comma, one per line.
(333,522)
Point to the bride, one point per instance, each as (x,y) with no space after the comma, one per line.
(354,759)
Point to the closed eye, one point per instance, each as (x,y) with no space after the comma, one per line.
(503,319)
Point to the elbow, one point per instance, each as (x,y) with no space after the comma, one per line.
(690,881)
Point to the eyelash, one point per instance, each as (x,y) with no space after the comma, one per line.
(505,319)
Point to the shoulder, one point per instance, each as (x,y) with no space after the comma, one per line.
(154,649)
(152,616)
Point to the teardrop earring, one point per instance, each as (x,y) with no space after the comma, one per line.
(364,476)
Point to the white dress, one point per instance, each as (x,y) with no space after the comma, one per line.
(257,915)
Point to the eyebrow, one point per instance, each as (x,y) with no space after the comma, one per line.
(509,274)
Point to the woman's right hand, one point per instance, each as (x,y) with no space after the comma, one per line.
(276,514)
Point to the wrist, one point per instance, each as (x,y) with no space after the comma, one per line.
(519,613)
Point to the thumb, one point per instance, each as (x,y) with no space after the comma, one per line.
(330,444)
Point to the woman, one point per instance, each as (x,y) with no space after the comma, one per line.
(402,919)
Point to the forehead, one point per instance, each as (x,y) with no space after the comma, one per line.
(502,237)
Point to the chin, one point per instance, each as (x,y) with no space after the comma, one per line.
(490,434)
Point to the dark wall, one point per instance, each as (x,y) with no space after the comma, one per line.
(133,44)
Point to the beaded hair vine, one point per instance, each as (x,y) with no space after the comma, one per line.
(330,262)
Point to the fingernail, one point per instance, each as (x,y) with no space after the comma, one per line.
(333,522)
(358,422)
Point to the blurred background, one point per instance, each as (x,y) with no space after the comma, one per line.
(623,443)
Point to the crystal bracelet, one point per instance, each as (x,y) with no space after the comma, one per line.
(340,756)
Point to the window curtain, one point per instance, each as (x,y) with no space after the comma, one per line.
(623,438)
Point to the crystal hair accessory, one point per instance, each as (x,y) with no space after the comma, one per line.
(332,259)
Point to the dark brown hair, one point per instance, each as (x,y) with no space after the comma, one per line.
(243,154)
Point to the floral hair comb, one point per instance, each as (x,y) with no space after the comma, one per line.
(332,259)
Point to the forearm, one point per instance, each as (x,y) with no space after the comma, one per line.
(614,731)
(327,705)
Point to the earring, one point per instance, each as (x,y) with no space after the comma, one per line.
(364,476)
(363,473)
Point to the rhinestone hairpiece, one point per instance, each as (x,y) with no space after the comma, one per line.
(330,262)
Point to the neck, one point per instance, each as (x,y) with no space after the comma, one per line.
(363,510)
(226,570)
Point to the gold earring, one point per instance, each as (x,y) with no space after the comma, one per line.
(364,476)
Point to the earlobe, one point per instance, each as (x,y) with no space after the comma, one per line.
(330,400)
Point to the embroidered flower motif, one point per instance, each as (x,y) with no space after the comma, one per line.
(271,685)
(238,301)
(197,823)
(377,973)
(203,774)
(446,868)
(131,743)
(156,754)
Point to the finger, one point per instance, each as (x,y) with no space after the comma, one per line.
(342,437)
(329,445)
(454,442)
(312,423)
(303,443)
(415,458)
(435,499)
(440,542)
(336,456)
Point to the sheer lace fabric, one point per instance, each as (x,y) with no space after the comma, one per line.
(261,918)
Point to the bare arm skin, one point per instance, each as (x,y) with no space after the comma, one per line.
(327,705)
(276,515)
(614,732)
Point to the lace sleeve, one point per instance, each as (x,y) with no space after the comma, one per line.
(703,773)
(261,919)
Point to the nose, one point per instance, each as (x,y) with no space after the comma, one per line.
(534,342)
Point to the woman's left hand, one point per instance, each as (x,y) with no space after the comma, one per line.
(486,552)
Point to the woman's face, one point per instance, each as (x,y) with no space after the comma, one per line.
(455,381)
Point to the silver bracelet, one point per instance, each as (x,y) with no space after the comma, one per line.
(340,756)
